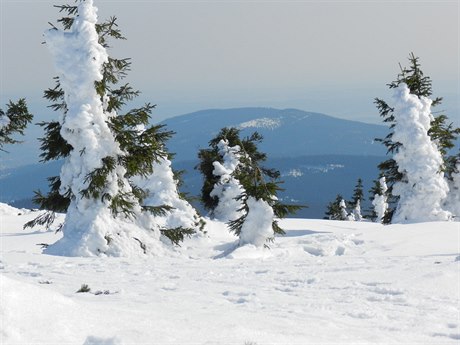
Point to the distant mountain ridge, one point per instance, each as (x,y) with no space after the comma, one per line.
(287,132)
(317,155)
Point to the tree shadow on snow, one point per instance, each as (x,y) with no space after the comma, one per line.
(17,234)
(226,248)
(298,233)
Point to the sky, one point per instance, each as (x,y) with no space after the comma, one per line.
(331,57)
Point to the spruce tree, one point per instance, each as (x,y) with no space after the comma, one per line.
(207,157)
(442,132)
(335,209)
(356,201)
(131,153)
(259,187)
(452,203)
(378,197)
(13,121)
(175,217)
(422,193)
(228,188)
(358,193)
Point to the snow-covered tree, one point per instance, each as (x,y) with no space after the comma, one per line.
(452,202)
(228,188)
(169,211)
(355,204)
(104,151)
(336,210)
(379,200)
(13,121)
(356,213)
(257,225)
(260,209)
(208,158)
(91,173)
(344,215)
(424,188)
(442,133)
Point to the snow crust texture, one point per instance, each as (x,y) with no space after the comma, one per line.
(423,192)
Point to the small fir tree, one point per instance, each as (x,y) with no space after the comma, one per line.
(336,210)
(207,157)
(442,133)
(343,211)
(228,188)
(356,213)
(261,207)
(13,121)
(379,200)
(355,204)
(172,213)
(452,203)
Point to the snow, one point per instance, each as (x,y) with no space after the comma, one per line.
(228,187)
(357,211)
(380,200)
(263,122)
(4,121)
(453,199)
(324,282)
(257,226)
(294,173)
(343,210)
(423,192)
(162,190)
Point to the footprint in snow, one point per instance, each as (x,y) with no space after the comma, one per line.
(357,242)
(30,274)
(385,291)
(339,251)
(360,315)
(261,272)
(388,295)
(238,298)
(314,251)
(455,336)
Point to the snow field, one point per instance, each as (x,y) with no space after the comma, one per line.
(325,282)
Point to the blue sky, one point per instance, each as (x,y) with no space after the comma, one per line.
(332,57)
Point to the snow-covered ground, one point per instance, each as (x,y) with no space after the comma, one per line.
(325,282)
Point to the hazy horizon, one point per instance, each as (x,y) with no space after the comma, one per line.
(331,57)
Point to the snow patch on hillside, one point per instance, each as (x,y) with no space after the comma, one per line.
(293,173)
(323,168)
(315,169)
(263,122)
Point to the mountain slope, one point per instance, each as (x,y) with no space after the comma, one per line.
(287,133)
